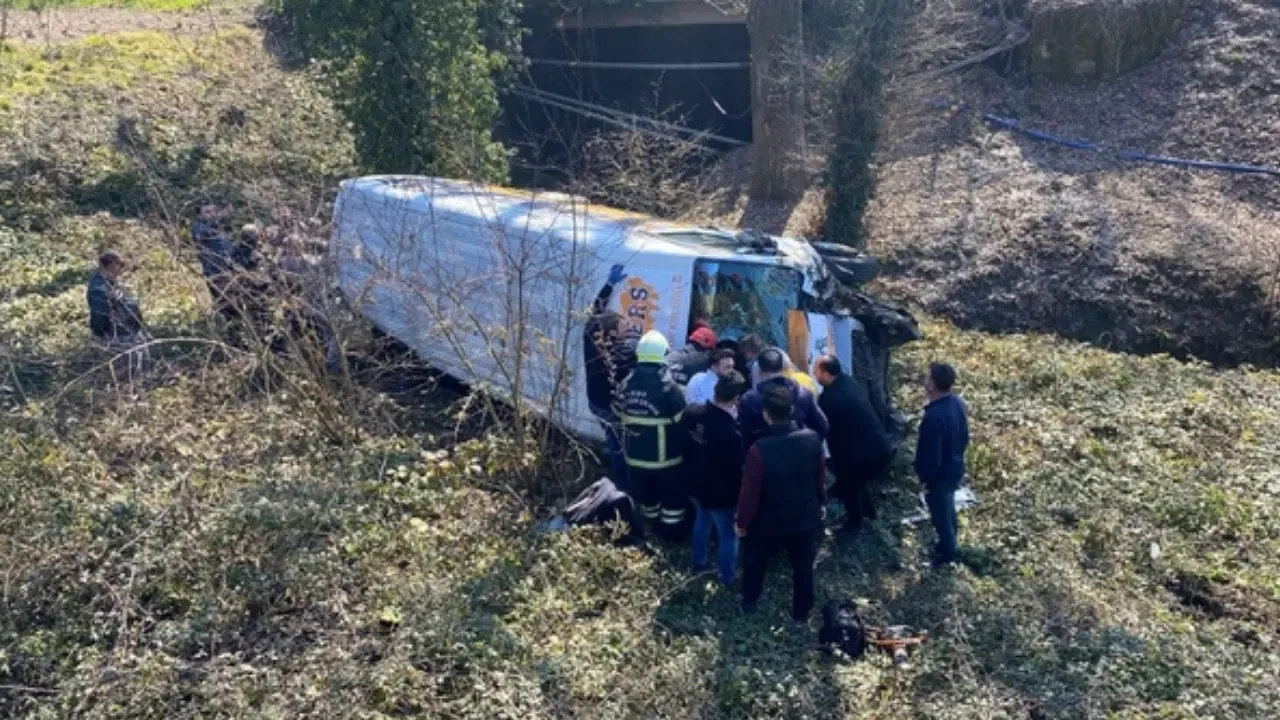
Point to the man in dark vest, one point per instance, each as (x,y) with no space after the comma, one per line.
(649,406)
(861,449)
(780,504)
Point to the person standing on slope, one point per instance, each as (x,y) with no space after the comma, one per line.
(861,450)
(780,506)
(940,449)
(695,357)
(702,387)
(607,359)
(713,471)
(771,366)
(649,406)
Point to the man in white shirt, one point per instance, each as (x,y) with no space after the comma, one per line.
(702,387)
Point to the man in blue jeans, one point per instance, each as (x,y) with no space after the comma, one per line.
(713,466)
(943,439)
(607,358)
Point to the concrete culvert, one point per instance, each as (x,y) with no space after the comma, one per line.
(1076,40)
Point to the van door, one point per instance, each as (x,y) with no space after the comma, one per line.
(811,335)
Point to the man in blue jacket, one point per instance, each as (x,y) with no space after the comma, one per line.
(943,438)
(805,413)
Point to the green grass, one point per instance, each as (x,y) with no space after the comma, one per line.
(71,188)
(113,61)
(205,547)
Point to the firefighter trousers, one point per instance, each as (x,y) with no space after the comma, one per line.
(662,497)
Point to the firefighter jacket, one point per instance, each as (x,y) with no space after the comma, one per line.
(649,406)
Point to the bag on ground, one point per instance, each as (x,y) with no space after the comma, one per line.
(842,629)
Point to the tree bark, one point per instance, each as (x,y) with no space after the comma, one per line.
(777,98)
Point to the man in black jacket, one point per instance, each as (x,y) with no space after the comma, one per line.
(607,360)
(806,412)
(861,449)
(713,468)
(649,407)
(780,504)
(943,439)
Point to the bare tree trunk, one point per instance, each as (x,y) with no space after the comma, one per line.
(777,97)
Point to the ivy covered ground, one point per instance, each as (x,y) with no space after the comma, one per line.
(207,546)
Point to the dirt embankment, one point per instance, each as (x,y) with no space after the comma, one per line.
(1002,232)
(64,25)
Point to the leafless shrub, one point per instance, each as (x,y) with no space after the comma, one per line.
(646,172)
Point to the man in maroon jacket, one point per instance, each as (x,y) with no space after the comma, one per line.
(780,506)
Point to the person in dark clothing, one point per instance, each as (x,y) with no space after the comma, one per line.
(649,407)
(943,439)
(780,504)
(114,316)
(228,263)
(607,361)
(807,414)
(213,244)
(695,357)
(713,468)
(861,448)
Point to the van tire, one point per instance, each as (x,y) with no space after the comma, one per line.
(854,271)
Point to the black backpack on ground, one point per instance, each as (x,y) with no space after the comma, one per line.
(842,629)
(601,503)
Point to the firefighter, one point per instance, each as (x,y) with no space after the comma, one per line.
(649,406)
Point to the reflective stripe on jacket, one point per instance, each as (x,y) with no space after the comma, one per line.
(649,406)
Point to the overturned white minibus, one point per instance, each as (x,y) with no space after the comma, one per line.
(494,286)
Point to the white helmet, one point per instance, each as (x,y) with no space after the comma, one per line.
(652,348)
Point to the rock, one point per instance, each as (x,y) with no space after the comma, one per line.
(1090,39)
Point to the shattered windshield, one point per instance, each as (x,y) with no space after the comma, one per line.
(738,298)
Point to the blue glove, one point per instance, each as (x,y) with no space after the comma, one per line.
(617,274)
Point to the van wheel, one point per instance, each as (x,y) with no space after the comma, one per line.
(854,271)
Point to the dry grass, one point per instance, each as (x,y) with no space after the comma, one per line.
(725,201)
(1006,233)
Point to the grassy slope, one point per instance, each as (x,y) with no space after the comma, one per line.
(207,549)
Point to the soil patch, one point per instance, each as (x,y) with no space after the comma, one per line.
(1004,233)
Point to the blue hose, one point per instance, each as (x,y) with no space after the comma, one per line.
(1075,144)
